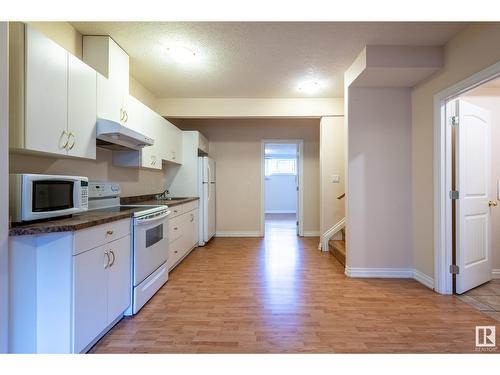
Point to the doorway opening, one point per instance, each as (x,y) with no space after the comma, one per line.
(467,164)
(281,187)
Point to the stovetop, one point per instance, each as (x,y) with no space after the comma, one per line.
(140,209)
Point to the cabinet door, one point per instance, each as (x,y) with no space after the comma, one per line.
(118,68)
(172,142)
(135,114)
(119,282)
(109,100)
(81,108)
(193,228)
(46,94)
(89,296)
(151,157)
(177,145)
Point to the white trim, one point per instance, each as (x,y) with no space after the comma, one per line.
(238,234)
(300,173)
(442,176)
(424,279)
(495,273)
(310,233)
(281,211)
(400,273)
(330,233)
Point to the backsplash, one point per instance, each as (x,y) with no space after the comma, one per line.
(133,181)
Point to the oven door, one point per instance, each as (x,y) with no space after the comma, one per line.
(150,245)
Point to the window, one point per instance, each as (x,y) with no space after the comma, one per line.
(281,166)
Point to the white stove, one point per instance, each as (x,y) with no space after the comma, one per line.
(150,241)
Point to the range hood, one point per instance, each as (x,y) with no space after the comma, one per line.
(115,136)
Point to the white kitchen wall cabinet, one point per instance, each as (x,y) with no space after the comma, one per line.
(52,97)
(69,288)
(81,109)
(107,58)
(46,94)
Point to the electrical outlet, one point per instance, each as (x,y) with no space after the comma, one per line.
(335,179)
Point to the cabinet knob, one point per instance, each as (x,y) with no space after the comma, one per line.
(175,251)
(109,232)
(175,228)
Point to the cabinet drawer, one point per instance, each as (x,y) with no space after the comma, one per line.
(174,229)
(190,206)
(176,210)
(90,238)
(175,253)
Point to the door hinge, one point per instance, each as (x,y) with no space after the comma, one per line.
(454,269)
(454,194)
(454,120)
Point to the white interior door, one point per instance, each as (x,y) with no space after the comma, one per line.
(472,180)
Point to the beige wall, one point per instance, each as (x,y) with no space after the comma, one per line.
(332,162)
(133,181)
(489,99)
(235,144)
(379,162)
(470,51)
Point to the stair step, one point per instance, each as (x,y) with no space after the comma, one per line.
(337,249)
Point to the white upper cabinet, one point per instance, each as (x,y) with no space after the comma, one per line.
(60,100)
(46,94)
(171,142)
(81,109)
(108,59)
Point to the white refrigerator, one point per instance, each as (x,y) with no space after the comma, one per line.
(206,190)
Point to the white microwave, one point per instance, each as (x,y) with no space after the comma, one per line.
(38,196)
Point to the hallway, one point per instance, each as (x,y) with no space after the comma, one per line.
(279,294)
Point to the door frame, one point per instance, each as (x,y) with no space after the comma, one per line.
(443,234)
(300,169)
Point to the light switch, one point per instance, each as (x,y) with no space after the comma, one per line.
(335,179)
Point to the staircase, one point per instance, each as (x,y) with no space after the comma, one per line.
(337,248)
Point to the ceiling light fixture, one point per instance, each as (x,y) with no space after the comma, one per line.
(181,54)
(310,87)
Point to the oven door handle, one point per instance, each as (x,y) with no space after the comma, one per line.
(156,218)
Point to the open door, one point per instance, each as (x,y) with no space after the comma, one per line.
(472,180)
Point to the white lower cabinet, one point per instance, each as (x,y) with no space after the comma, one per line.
(101,289)
(183,232)
(68,288)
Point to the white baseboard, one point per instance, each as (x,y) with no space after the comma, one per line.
(387,273)
(310,233)
(330,233)
(281,212)
(238,234)
(495,273)
(423,279)
(401,273)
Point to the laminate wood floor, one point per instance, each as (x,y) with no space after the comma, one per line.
(279,294)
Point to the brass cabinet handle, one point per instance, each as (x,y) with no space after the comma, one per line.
(492,203)
(126,116)
(71,134)
(122,114)
(109,232)
(113,260)
(107,261)
(64,134)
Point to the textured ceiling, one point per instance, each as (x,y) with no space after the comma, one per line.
(255,59)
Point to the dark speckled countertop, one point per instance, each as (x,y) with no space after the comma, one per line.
(89,218)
